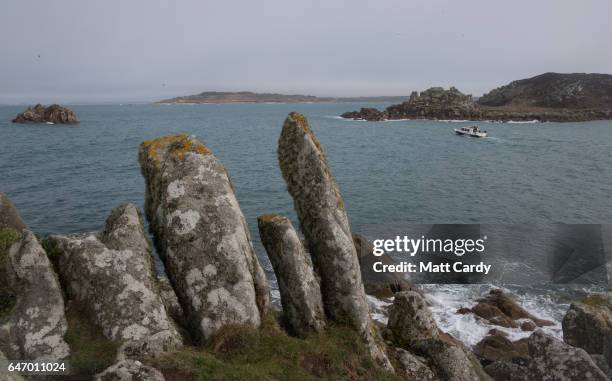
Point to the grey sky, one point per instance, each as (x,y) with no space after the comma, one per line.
(118,50)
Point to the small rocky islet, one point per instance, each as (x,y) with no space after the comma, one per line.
(53,114)
(212,317)
(549,97)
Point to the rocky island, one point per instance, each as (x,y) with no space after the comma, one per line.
(54,114)
(548,97)
(219,97)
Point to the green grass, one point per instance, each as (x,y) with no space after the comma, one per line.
(598,300)
(90,351)
(268,353)
(7,298)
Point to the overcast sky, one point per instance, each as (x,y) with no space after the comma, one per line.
(142,50)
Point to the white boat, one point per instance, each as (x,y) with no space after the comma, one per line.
(473,131)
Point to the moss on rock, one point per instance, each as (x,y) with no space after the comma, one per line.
(268,353)
(7,297)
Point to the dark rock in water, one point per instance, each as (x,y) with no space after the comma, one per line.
(528,325)
(110,276)
(369,114)
(9,217)
(52,114)
(588,324)
(129,370)
(375,283)
(300,292)
(552,359)
(499,309)
(202,235)
(412,366)
(34,327)
(411,326)
(497,347)
(325,225)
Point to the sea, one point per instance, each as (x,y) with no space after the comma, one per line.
(392,175)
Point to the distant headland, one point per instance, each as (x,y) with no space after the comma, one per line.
(251,97)
(550,97)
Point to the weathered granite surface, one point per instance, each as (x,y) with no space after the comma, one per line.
(325,225)
(110,277)
(34,327)
(202,235)
(300,292)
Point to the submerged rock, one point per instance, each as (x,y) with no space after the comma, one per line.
(52,114)
(110,277)
(552,359)
(325,225)
(588,324)
(34,327)
(300,293)
(201,235)
(129,370)
(378,284)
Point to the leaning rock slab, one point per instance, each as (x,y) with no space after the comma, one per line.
(35,326)
(110,277)
(552,359)
(202,235)
(325,225)
(129,370)
(300,293)
(588,324)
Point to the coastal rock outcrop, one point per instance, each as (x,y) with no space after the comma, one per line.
(110,277)
(325,225)
(379,284)
(497,347)
(369,114)
(498,308)
(411,326)
(33,325)
(202,235)
(588,324)
(552,359)
(300,292)
(435,103)
(52,114)
(129,370)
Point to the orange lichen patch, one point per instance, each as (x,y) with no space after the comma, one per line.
(270,218)
(177,145)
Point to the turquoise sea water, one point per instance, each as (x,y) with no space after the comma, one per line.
(392,174)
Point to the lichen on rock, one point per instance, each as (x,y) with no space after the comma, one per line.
(35,326)
(325,225)
(202,235)
(300,292)
(110,276)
